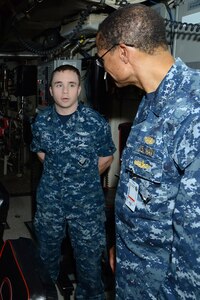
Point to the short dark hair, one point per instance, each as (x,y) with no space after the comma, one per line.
(134,24)
(63,68)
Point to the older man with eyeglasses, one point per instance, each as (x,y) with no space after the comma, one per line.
(157,202)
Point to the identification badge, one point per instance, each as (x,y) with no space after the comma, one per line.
(132,195)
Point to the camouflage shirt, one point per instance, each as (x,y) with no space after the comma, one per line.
(162,231)
(72,149)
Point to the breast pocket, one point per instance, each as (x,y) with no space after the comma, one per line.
(148,172)
(82,154)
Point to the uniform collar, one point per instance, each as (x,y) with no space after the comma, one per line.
(55,117)
(157,100)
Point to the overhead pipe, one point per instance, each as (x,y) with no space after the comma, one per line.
(6,54)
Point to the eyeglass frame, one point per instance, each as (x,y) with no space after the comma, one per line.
(99,60)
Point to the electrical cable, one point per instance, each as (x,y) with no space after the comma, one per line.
(183,26)
(35,48)
(174,26)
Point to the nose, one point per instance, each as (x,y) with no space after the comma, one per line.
(65,89)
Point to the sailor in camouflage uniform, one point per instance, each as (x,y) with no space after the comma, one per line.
(75,144)
(158,196)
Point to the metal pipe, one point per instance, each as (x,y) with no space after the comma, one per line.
(18,54)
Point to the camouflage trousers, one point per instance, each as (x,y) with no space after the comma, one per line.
(87,235)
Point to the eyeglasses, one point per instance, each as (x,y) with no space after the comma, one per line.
(99,60)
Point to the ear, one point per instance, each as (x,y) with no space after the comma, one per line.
(79,90)
(124,53)
(50,90)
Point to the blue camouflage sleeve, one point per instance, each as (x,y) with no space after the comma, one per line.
(187,141)
(104,142)
(186,217)
(36,137)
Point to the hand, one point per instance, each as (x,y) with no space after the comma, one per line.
(112,258)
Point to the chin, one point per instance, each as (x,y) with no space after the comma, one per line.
(120,84)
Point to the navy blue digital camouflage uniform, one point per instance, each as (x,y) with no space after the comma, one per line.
(158,244)
(70,192)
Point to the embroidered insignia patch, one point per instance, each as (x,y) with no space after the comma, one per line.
(141,164)
(149,140)
(146,150)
